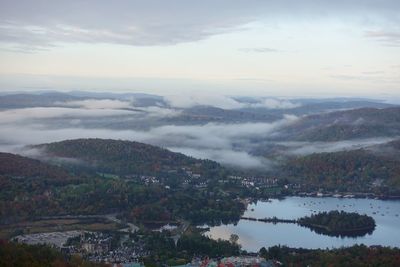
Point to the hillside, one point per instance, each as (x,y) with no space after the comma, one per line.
(125,157)
(34,100)
(347,124)
(357,170)
(18,166)
(12,254)
(212,114)
(28,187)
(113,177)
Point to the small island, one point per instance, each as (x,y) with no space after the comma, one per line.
(339,223)
(332,223)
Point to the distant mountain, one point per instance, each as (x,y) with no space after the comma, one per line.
(344,125)
(206,114)
(317,106)
(34,100)
(50,99)
(140,99)
(213,114)
(313,107)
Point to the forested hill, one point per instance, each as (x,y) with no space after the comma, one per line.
(31,189)
(18,166)
(28,188)
(357,170)
(347,124)
(124,157)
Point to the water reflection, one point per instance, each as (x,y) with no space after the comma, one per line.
(253,235)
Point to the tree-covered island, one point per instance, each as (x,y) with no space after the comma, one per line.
(339,223)
(333,223)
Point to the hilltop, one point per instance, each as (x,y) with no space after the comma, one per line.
(124,157)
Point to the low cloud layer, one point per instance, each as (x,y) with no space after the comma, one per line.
(212,141)
(90,108)
(97,104)
(272,103)
(27,114)
(159,112)
(306,148)
(225,102)
(192,100)
(227,143)
(226,156)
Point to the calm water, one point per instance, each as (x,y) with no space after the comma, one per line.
(254,235)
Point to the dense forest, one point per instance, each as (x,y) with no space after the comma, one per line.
(163,249)
(339,223)
(123,157)
(18,166)
(356,256)
(346,125)
(12,255)
(351,171)
(101,182)
(40,189)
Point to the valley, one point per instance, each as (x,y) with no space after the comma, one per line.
(164,201)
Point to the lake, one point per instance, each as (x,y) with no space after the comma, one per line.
(253,235)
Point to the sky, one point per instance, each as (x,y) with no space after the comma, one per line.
(232,47)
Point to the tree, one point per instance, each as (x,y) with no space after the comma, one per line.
(234,238)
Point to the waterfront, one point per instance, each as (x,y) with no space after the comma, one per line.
(253,235)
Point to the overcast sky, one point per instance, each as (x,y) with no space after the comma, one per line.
(285,47)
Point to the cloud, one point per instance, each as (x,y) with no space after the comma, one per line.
(350,77)
(389,38)
(154,111)
(128,22)
(368,77)
(217,136)
(41,155)
(225,156)
(110,104)
(306,148)
(373,72)
(192,100)
(225,102)
(45,23)
(91,108)
(259,50)
(216,141)
(26,114)
(272,103)
(97,104)
(229,144)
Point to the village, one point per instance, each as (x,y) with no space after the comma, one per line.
(100,247)
(92,246)
(196,180)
